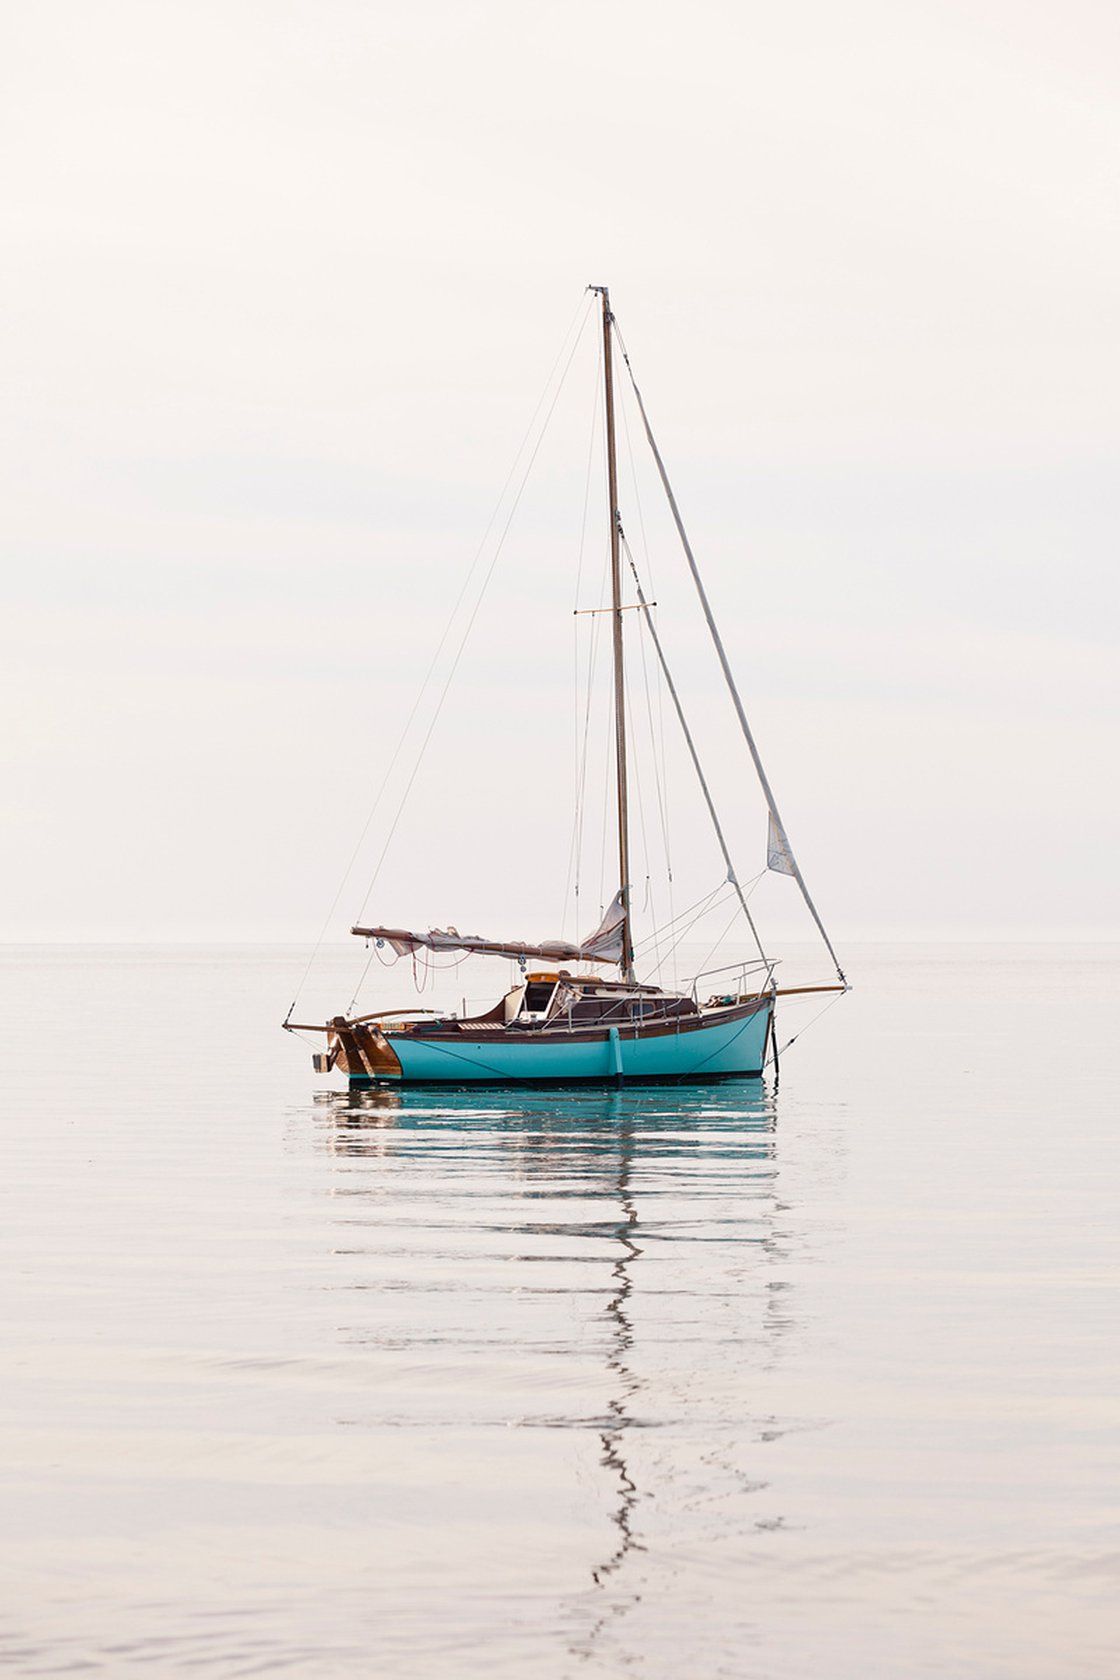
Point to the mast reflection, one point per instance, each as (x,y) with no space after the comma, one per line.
(621,1341)
(664,1167)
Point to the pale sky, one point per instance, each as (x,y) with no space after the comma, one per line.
(281,287)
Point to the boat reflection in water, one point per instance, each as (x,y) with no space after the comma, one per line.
(639,1235)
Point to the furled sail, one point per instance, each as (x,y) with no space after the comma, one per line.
(604,945)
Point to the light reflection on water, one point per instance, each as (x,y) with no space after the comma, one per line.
(619,1173)
(424,1384)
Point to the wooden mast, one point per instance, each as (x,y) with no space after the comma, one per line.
(627,959)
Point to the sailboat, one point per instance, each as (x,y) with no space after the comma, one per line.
(567,1021)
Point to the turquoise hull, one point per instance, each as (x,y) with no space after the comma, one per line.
(709,1050)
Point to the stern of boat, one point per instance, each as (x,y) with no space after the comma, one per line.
(360,1050)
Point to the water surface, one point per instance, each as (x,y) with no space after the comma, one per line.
(809,1383)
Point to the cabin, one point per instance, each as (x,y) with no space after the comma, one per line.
(559,1000)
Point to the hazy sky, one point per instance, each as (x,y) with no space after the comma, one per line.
(282,283)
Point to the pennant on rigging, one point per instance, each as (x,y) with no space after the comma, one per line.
(778,854)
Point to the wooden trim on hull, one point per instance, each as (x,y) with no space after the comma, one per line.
(362,1052)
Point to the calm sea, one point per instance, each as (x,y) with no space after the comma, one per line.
(814,1384)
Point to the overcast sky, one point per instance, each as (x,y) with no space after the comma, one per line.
(282,284)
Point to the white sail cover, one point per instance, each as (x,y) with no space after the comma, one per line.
(778,855)
(604,945)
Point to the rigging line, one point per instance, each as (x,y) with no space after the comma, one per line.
(811,1022)
(590,465)
(581,808)
(750,885)
(637,783)
(608,777)
(684,932)
(312,1043)
(744,1025)
(575,774)
(661,805)
(725,666)
(443,638)
(703,969)
(664,782)
(647,619)
(429,961)
(424,963)
(660,767)
(607,768)
(592,654)
(573,862)
(362,978)
(648,562)
(701,904)
(470,622)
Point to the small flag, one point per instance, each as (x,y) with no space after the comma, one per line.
(778,855)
